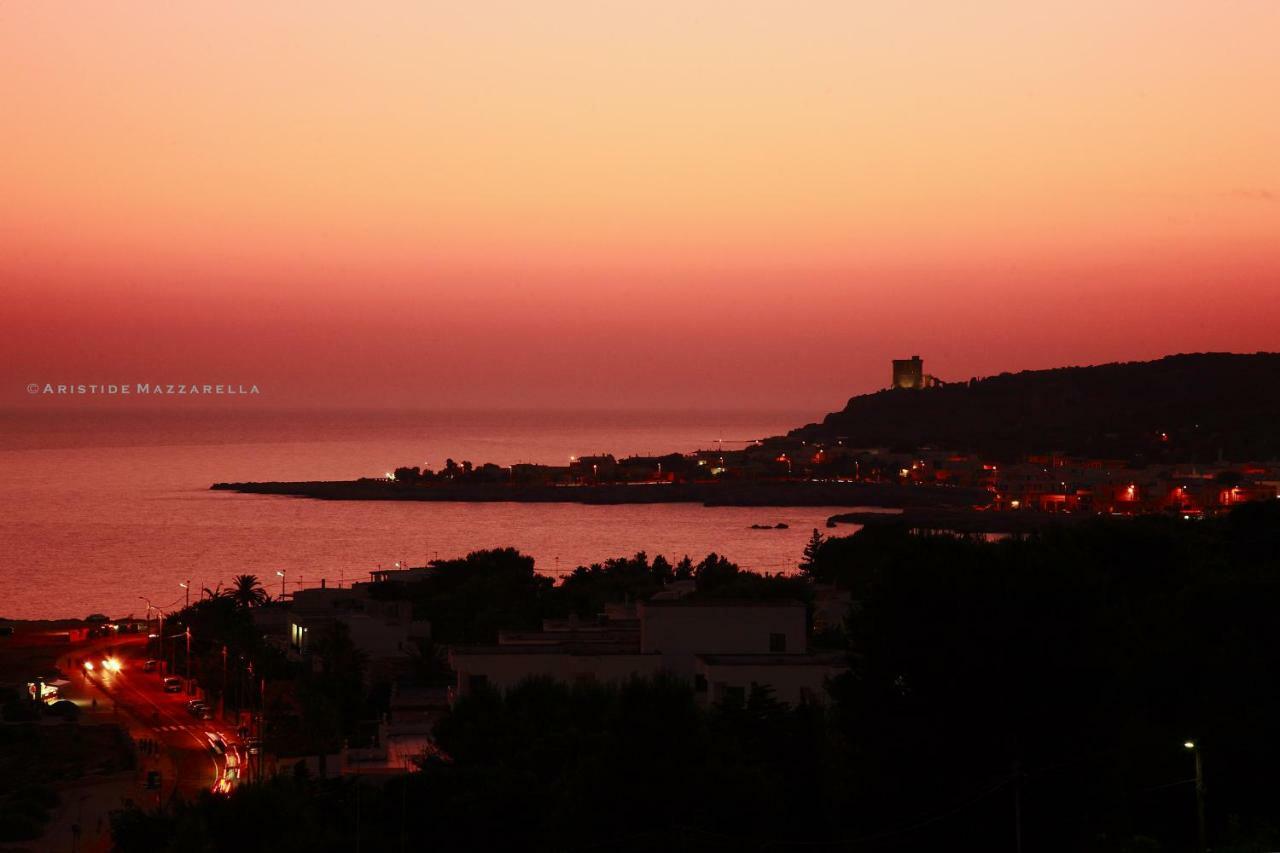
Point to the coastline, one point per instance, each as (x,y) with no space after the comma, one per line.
(963,520)
(758,493)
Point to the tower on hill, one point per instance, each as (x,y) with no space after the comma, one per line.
(908,373)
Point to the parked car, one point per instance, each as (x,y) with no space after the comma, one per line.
(253,746)
(194,707)
(64,708)
(150,666)
(173,684)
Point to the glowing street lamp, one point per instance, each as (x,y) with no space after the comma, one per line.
(187,586)
(1201,835)
(281,574)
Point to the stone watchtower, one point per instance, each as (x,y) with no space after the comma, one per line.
(908,373)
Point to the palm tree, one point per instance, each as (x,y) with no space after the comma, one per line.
(247,591)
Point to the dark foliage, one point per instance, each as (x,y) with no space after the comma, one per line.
(468,600)
(1061,672)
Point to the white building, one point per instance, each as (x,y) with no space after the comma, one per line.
(683,628)
(722,648)
(384,631)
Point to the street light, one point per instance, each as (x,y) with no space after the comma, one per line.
(149,609)
(1201,834)
(281,574)
(187,587)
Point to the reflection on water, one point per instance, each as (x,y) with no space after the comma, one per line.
(104,507)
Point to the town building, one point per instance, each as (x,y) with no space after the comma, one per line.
(384,631)
(722,648)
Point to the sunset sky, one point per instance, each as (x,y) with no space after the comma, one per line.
(629,204)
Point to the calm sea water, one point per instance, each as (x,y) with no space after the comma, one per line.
(101,507)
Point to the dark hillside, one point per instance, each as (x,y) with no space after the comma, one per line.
(1181,407)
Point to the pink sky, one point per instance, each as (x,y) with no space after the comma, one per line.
(624,204)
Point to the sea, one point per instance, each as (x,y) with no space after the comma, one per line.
(104,508)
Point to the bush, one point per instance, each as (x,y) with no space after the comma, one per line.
(20,711)
(37,795)
(21,825)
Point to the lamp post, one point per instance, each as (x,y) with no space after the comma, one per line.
(148,601)
(1202,843)
(187,587)
(222,698)
(160,640)
(280,572)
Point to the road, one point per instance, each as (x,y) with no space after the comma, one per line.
(185,754)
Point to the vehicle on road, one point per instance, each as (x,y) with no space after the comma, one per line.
(64,708)
(149,666)
(216,743)
(173,684)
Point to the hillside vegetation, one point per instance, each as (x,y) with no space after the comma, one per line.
(1181,407)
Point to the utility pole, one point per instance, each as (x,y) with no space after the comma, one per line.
(222,700)
(188,633)
(262,722)
(1202,834)
(1017,807)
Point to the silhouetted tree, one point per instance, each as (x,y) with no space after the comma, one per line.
(246,591)
(811,549)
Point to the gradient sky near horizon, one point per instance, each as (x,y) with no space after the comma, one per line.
(607,204)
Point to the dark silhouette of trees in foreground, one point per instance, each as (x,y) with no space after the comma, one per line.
(470,599)
(1042,685)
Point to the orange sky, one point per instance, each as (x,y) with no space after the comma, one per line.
(618,204)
